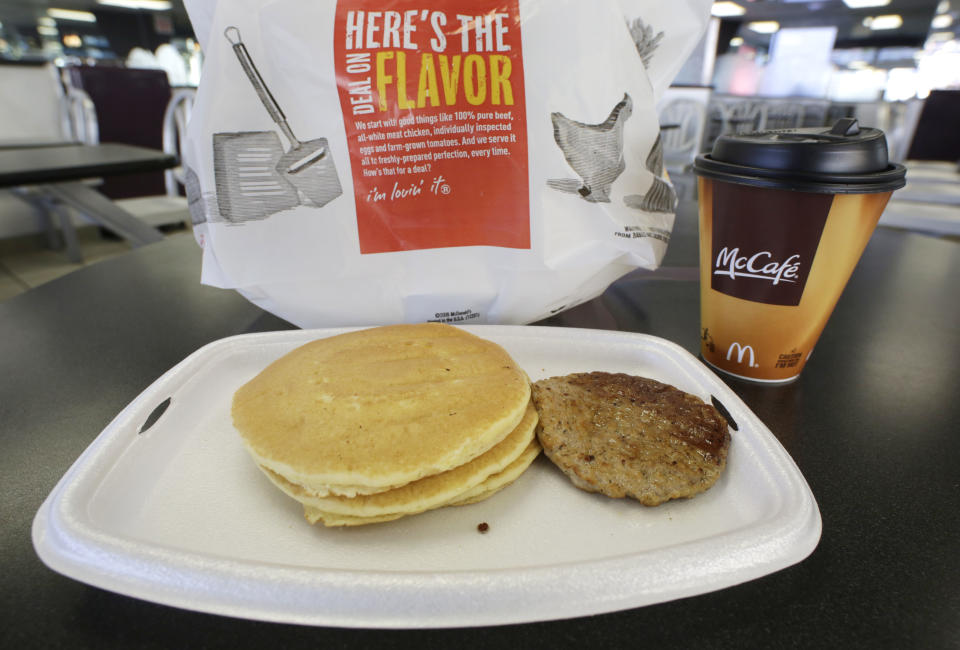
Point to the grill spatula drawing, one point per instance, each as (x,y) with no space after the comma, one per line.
(306,165)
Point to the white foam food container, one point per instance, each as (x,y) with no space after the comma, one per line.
(179,514)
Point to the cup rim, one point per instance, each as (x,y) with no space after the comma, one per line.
(887,180)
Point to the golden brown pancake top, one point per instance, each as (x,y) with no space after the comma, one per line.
(380,407)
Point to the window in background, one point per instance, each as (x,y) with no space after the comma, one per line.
(799,62)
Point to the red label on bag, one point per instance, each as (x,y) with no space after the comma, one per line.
(433,103)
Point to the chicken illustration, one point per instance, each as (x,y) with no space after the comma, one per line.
(594,151)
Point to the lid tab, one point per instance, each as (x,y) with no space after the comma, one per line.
(846,126)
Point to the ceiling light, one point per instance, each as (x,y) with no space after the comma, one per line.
(148,5)
(47,21)
(764,26)
(46,30)
(863,4)
(736,41)
(72,14)
(943,7)
(72,40)
(941,37)
(942,21)
(888,21)
(724,9)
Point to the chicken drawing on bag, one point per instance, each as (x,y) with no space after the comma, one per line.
(254,176)
(594,151)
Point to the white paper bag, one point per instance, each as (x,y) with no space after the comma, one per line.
(378,161)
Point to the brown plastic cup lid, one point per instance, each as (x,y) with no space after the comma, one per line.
(843,159)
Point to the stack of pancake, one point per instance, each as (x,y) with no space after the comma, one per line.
(377,424)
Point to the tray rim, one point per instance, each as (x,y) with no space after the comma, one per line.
(73,548)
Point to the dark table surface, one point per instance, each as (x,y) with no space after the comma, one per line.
(872,424)
(26,164)
(30,143)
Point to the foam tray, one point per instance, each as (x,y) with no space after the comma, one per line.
(179,514)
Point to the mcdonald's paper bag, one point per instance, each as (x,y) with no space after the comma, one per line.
(379,161)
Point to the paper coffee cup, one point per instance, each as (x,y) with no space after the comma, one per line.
(784,218)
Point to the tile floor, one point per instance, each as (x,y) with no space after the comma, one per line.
(26,262)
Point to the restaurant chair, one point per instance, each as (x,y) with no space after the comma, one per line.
(130,105)
(781,114)
(903,126)
(81,116)
(716,125)
(815,112)
(745,116)
(32,108)
(138,107)
(169,208)
(41,111)
(898,121)
(732,114)
(175,120)
(685,120)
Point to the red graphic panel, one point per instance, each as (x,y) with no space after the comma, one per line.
(433,102)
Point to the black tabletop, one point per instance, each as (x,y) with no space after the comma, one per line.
(24,164)
(31,143)
(872,424)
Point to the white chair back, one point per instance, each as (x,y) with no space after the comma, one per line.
(175,120)
(744,116)
(732,114)
(684,120)
(32,107)
(81,116)
(716,125)
(903,124)
(782,115)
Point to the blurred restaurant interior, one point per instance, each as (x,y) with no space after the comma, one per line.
(126,71)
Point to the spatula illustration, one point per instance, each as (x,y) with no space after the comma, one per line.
(308,165)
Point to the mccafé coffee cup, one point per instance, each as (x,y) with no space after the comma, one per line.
(784,218)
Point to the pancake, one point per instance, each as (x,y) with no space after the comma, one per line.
(331,519)
(488,488)
(428,492)
(370,410)
(501,479)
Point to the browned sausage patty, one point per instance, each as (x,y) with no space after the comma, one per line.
(622,435)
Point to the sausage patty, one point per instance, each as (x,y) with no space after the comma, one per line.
(622,435)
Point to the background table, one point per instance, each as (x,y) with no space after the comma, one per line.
(872,424)
(50,174)
(930,202)
(45,162)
